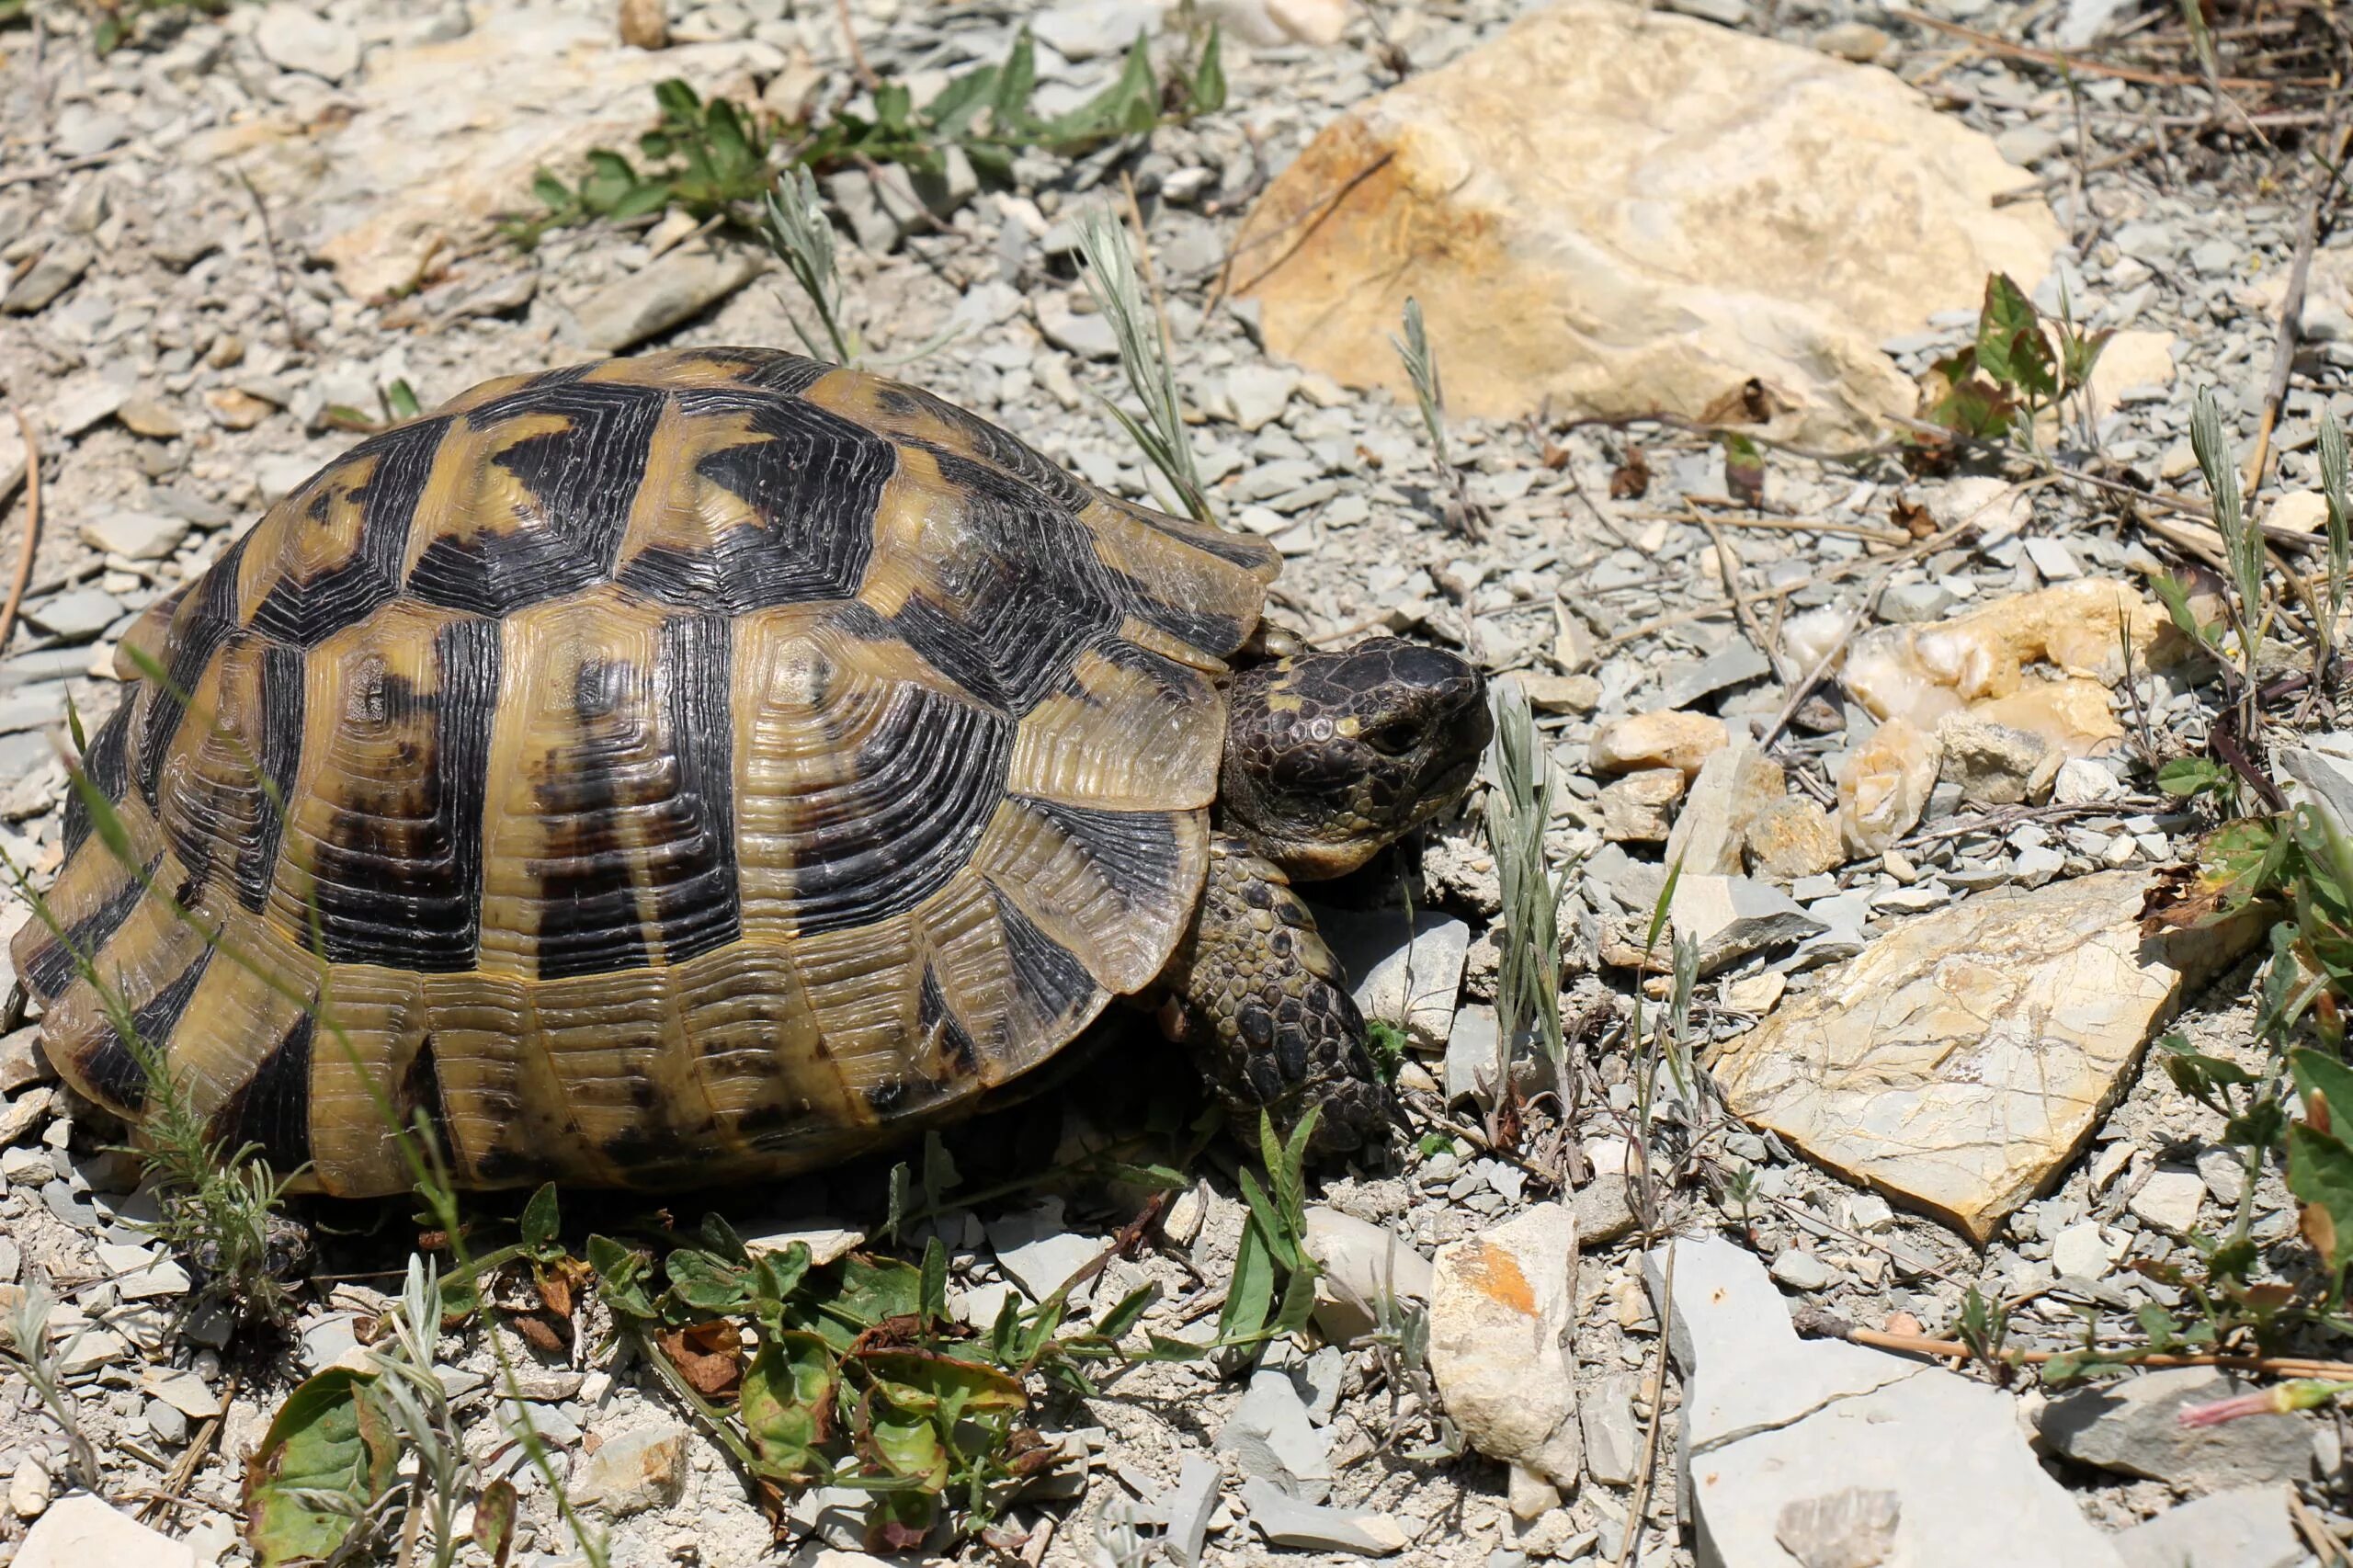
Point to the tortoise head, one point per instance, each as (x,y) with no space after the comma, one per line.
(1331,756)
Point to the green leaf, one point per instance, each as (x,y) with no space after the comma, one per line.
(677,101)
(2320,1172)
(2188,776)
(894,107)
(923,1382)
(541,1220)
(646,196)
(495,1521)
(622,1273)
(1015,80)
(1208,76)
(1115,1324)
(400,399)
(328,1455)
(2319,1074)
(787,1402)
(934,1288)
(952,109)
(2006,318)
(1250,1295)
(710,1285)
(552,192)
(2175,594)
(73,726)
(905,1443)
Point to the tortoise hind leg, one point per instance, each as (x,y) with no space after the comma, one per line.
(1266,1010)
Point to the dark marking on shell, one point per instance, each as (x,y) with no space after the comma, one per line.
(306,614)
(106,764)
(1022,602)
(280,757)
(399,876)
(583,477)
(924,783)
(1052,980)
(1134,853)
(588,916)
(52,969)
(937,1022)
(273,1108)
(814,485)
(697,897)
(204,622)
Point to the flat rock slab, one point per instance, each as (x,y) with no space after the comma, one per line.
(1405,975)
(1503,1305)
(1693,207)
(1962,1059)
(442,135)
(2134,1427)
(2247,1528)
(1799,1452)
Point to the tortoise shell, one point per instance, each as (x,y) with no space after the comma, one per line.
(655,772)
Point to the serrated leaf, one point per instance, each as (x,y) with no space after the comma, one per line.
(327,1456)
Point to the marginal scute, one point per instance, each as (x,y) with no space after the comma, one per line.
(693,767)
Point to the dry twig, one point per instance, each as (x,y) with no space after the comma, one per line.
(1639,1508)
(32,529)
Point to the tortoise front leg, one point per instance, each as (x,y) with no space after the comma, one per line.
(1266,1009)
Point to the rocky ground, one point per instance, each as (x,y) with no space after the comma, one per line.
(1898,724)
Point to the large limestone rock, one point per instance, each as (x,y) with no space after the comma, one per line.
(1625,210)
(1961,1061)
(440,136)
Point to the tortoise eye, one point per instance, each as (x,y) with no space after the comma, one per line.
(1394,738)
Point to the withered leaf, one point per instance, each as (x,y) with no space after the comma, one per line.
(709,1356)
(1631,481)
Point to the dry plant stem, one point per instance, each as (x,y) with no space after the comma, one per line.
(1806,683)
(33,529)
(2004,47)
(2324,1545)
(866,76)
(2053,181)
(2292,310)
(1953,1350)
(1783,525)
(1639,1508)
(277,273)
(1728,569)
(175,1484)
(1479,1141)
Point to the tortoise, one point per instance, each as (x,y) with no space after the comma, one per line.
(710,764)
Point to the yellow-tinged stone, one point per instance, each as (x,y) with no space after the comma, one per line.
(1922,672)
(1620,210)
(1965,1058)
(1884,786)
(1667,738)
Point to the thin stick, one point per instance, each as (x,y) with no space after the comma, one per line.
(1728,569)
(277,274)
(2324,1545)
(2292,310)
(866,76)
(2002,47)
(2051,181)
(1642,1500)
(1822,1325)
(33,529)
(1781,525)
(168,1494)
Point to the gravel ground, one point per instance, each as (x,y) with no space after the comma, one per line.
(178,341)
